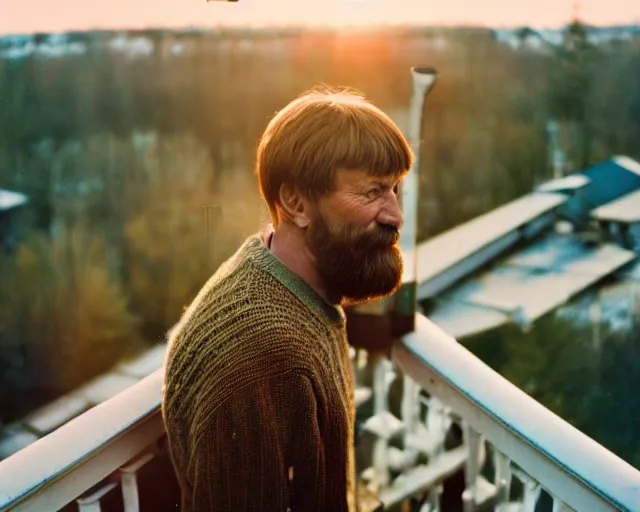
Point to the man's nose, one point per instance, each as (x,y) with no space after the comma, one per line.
(391,213)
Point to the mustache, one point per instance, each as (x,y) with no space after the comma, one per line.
(383,236)
(386,235)
(355,238)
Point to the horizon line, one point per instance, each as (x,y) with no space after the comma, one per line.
(318,26)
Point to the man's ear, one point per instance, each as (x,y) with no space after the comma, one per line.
(295,207)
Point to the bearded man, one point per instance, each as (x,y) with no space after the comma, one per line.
(258,397)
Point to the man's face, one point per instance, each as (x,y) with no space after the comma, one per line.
(353,237)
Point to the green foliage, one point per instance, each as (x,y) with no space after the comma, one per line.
(556,363)
(189,225)
(572,75)
(64,317)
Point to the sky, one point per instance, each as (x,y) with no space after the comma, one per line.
(26,16)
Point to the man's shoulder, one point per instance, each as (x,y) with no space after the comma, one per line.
(242,294)
(244,320)
(247,323)
(210,362)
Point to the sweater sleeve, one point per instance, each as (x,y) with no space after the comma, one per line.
(262,451)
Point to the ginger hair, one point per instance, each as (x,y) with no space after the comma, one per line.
(321,131)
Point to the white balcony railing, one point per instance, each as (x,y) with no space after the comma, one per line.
(527,441)
(108,453)
(93,459)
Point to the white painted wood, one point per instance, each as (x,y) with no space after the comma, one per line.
(472,465)
(362,395)
(502,466)
(484,491)
(383,424)
(91,503)
(531,495)
(438,421)
(567,463)
(129,472)
(421,478)
(560,506)
(51,472)
(410,415)
(434,498)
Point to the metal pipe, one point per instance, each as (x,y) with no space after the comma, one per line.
(423,79)
(375,325)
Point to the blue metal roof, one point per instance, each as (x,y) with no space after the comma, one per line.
(611,180)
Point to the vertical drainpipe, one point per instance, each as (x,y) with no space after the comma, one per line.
(423,79)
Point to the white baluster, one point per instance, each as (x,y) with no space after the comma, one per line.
(472,467)
(434,498)
(410,417)
(531,494)
(438,422)
(502,466)
(91,503)
(130,483)
(426,507)
(380,406)
(429,437)
(361,359)
(468,503)
(532,490)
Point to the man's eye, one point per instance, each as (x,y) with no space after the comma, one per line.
(396,188)
(373,193)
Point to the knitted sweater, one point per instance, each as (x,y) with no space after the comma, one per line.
(258,393)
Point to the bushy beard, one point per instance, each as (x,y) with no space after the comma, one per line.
(355,264)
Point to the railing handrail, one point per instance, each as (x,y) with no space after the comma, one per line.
(69,450)
(566,462)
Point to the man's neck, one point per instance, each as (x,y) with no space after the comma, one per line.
(287,244)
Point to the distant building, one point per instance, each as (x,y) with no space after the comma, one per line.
(11,210)
(620,219)
(537,253)
(607,182)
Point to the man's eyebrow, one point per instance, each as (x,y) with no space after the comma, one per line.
(370,184)
(386,184)
(377,182)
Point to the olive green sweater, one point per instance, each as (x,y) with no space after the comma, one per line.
(258,393)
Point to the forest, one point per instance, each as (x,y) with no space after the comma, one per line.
(136,151)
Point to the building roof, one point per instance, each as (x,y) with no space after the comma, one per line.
(526,285)
(625,210)
(571,182)
(611,180)
(442,252)
(628,163)
(10,199)
(44,420)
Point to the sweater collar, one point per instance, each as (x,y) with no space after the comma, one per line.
(257,246)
